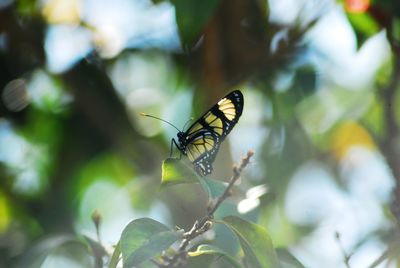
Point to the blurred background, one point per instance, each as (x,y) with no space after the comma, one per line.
(320,81)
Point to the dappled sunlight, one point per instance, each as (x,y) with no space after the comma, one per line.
(46,94)
(108,185)
(113,202)
(330,106)
(291,11)
(353,218)
(252,200)
(302,206)
(297,166)
(61,55)
(62,11)
(23,160)
(338,57)
(251,129)
(366,175)
(144,92)
(133,22)
(110,30)
(354,213)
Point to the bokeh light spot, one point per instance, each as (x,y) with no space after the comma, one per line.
(15,96)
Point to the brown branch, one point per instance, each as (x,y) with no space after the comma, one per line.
(389,146)
(202,226)
(380,259)
(391,251)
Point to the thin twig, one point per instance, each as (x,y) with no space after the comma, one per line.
(202,226)
(346,256)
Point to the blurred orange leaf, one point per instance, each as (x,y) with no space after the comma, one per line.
(356,6)
(350,134)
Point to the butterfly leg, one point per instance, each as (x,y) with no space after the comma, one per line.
(177,146)
(171,149)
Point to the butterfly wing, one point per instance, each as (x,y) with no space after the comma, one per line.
(202,149)
(202,139)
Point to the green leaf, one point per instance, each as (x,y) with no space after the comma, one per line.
(175,171)
(287,260)
(214,188)
(144,238)
(212,250)
(192,16)
(255,242)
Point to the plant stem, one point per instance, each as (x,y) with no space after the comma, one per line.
(202,226)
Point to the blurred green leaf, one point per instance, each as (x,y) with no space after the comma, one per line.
(97,250)
(27,7)
(364,25)
(5,213)
(57,251)
(192,16)
(155,2)
(255,242)
(213,187)
(305,81)
(105,166)
(175,171)
(212,250)
(396,29)
(384,73)
(373,118)
(144,238)
(69,253)
(287,260)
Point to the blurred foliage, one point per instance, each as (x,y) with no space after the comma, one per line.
(192,16)
(321,86)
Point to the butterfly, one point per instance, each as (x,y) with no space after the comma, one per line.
(201,141)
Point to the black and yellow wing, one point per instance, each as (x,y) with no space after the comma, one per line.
(202,139)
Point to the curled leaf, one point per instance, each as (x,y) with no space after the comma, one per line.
(175,171)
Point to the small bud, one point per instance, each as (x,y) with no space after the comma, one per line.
(207,225)
(96,218)
(337,235)
(250,153)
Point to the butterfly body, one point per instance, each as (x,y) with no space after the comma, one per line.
(200,143)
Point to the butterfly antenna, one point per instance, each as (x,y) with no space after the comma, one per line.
(187,122)
(165,121)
